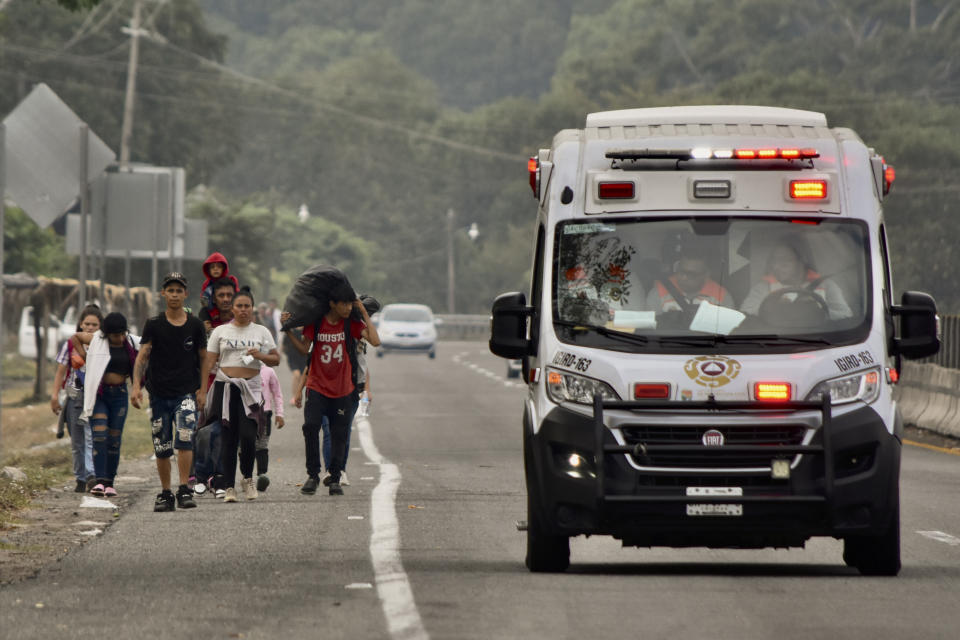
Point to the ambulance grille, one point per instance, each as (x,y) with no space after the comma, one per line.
(770,435)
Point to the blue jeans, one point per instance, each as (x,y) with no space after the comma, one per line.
(173,421)
(109,416)
(81,438)
(207,453)
(327,460)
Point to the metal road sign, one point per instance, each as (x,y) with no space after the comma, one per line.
(43,155)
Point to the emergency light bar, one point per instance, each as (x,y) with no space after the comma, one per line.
(702,153)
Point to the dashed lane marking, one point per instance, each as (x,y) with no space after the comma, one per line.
(940,536)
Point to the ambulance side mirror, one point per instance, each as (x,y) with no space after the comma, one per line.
(919,326)
(508,326)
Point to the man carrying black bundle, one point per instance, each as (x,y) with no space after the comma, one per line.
(331,379)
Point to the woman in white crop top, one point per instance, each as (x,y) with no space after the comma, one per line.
(240,347)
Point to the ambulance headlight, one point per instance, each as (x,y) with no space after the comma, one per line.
(863,386)
(563,386)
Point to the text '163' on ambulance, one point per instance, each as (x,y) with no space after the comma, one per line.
(710,338)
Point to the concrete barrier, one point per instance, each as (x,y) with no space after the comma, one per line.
(929,397)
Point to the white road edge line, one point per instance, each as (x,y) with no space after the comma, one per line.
(940,536)
(393,587)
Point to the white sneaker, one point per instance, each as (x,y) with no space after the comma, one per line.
(199,488)
(219,493)
(249,490)
(343,479)
(230,495)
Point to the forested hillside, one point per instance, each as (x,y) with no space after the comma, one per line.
(381,115)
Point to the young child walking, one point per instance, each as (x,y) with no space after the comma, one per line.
(273,410)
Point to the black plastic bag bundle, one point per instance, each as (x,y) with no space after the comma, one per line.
(309,299)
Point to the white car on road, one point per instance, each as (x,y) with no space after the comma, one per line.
(407,327)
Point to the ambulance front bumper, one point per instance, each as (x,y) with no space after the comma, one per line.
(803,472)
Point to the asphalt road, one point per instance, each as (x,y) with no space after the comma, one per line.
(424,544)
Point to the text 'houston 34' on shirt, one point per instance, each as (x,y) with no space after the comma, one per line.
(330,373)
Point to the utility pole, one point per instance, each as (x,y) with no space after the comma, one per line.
(134,32)
(3,212)
(450,273)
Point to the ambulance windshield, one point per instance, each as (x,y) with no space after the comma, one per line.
(726,283)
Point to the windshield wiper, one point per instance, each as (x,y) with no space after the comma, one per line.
(774,339)
(761,340)
(609,333)
(691,341)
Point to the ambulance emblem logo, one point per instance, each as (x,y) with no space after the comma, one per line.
(712,371)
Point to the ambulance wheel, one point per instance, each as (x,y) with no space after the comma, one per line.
(876,555)
(546,553)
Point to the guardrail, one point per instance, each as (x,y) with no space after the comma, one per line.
(463,327)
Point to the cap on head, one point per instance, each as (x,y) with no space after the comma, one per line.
(172,277)
(114,323)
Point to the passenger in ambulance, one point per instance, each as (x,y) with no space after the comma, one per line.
(689,285)
(790,281)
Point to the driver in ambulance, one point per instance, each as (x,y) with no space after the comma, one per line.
(787,269)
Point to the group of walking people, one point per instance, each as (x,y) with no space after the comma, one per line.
(213,373)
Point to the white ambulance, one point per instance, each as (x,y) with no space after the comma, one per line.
(710,338)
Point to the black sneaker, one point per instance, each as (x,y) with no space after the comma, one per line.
(310,486)
(327,479)
(262,482)
(81,486)
(336,489)
(165,501)
(185,499)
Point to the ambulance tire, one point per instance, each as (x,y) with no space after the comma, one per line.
(546,553)
(876,555)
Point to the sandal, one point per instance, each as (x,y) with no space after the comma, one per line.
(98,489)
(110,492)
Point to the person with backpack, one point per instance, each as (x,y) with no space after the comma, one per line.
(71,370)
(332,377)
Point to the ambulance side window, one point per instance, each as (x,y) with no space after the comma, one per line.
(536,289)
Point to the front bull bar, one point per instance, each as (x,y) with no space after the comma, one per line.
(824,449)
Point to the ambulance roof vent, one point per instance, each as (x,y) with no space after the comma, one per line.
(707,114)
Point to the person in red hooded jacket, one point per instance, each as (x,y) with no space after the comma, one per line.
(214,268)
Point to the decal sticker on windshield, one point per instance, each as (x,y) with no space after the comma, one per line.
(588,227)
(854,361)
(571,361)
(712,371)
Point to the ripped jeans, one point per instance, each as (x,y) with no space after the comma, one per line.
(173,421)
(106,425)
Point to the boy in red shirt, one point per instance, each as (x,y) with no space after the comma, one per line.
(330,381)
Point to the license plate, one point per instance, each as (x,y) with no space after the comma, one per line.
(715,491)
(714,509)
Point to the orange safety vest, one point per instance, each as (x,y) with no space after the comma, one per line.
(710,291)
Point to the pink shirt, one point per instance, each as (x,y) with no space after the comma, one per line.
(272,396)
